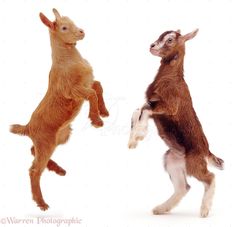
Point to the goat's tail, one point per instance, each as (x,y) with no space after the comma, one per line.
(215,161)
(19,129)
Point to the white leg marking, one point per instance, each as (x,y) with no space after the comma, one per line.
(139,127)
(175,166)
(134,120)
(207,199)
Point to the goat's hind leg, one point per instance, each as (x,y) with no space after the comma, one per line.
(62,138)
(175,166)
(42,156)
(52,165)
(198,169)
(209,183)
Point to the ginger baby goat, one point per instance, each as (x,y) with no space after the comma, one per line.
(71,82)
(169,104)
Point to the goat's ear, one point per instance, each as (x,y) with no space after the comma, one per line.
(46,21)
(189,35)
(57,15)
(178,31)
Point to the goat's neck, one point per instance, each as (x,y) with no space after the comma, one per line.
(172,66)
(64,53)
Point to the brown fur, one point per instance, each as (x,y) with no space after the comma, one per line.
(70,83)
(173,113)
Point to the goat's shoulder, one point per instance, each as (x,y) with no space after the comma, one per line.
(167,84)
(74,70)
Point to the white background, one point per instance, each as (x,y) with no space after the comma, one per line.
(106,184)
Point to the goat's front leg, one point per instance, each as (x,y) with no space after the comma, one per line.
(139,125)
(90,95)
(101,105)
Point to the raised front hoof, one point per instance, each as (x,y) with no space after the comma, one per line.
(160,210)
(104,113)
(43,206)
(53,166)
(61,172)
(204,212)
(97,123)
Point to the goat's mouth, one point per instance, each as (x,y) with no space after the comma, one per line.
(155,52)
(82,37)
(71,44)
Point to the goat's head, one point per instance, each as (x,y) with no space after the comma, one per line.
(170,43)
(63,28)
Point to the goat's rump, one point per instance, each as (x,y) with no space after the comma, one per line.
(50,116)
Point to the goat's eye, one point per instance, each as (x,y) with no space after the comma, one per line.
(64,28)
(170,40)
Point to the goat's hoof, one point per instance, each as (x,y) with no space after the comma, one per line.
(204,212)
(97,123)
(104,113)
(61,172)
(132,144)
(160,210)
(57,169)
(43,206)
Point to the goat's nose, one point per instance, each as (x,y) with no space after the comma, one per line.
(81,31)
(152,45)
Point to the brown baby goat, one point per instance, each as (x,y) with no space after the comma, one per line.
(169,104)
(70,83)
